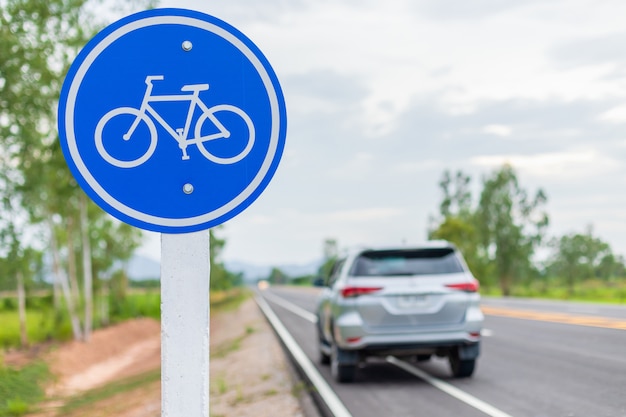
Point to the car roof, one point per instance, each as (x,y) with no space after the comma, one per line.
(429,244)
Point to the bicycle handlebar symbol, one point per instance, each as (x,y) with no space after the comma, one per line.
(181,135)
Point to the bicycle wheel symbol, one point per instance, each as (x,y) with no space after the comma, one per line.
(121,139)
(214,121)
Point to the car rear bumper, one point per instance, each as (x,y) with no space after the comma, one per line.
(351,334)
(470,349)
(409,341)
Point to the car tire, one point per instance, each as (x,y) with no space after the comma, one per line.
(323,357)
(341,372)
(461,368)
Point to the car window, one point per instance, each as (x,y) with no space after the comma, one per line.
(335,272)
(407,262)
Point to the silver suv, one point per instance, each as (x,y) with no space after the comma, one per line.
(418,302)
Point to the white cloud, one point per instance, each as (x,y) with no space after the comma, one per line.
(364,215)
(614,115)
(262,220)
(414,167)
(498,130)
(565,165)
(358,167)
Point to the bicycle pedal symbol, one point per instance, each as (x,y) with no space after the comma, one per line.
(181,135)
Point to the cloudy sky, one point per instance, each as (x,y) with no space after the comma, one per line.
(382,97)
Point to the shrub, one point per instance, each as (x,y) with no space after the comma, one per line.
(21,388)
(17,407)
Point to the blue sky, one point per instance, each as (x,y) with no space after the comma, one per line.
(382,97)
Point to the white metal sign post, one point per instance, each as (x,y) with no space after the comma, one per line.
(185,324)
(173,121)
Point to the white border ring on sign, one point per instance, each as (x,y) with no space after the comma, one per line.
(133,213)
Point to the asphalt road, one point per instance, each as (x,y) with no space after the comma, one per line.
(539,359)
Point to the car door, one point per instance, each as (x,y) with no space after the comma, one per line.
(326,299)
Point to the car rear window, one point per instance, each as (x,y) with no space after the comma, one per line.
(407,262)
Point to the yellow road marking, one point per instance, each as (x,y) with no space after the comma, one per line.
(604,322)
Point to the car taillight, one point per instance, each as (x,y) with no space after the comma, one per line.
(465,286)
(350,292)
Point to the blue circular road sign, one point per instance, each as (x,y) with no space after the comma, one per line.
(172,120)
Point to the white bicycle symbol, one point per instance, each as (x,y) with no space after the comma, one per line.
(179,134)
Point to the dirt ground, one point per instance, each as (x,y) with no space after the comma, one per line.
(249,375)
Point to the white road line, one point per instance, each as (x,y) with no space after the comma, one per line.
(437,383)
(307,315)
(323,389)
(449,389)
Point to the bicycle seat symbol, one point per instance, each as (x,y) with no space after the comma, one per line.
(181,135)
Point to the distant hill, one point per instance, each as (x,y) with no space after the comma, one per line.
(252,272)
(141,268)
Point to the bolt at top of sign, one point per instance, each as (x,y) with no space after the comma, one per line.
(172,120)
(187,45)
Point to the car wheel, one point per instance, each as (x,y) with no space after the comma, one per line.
(324,358)
(341,372)
(461,368)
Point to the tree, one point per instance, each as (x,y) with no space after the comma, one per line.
(580,256)
(21,265)
(510,225)
(38,40)
(456,223)
(221,278)
(277,277)
(457,197)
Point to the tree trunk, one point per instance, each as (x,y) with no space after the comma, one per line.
(21,302)
(88,278)
(505,285)
(104,305)
(56,293)
(71,262)
(571,285)
(63,281)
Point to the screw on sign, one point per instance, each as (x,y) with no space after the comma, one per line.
(173,121)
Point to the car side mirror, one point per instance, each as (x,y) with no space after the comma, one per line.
(319,282)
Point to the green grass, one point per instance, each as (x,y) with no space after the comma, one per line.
(93,396)
(228,347)
(41,325)
(21,389)
(229,300)
(589,291)
(220,385)
(143,304)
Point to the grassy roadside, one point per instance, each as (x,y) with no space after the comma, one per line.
(21,388)
(77,405)
(221,301)
(591,291)
(230,300)
(43,324)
